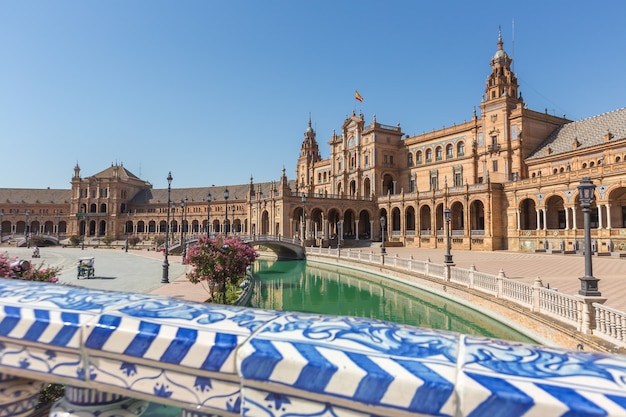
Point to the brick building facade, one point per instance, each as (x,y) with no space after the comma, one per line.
(509,177)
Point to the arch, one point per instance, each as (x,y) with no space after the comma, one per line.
(102,228)
(385,231)
(103,208)
(367,187)
(438,153)
(215,227)
(425,222)
(477,216)
(528,214)
(265,222)
(195,226)
(555,212)
(409,219)
(387,184)
(140,226)
(449,151)
(457,217)
(418,157)
(395,220)
(439,218)
(460,148)
(617,159)
(409,159)
(62,227)
(162,226)
(316,222)
(92,228)
(349,224)
(128,227)
(429,155)
(353,189)
(364,225)
(92,208)
(151,226)
(334,217)
(48,227)
(617,201)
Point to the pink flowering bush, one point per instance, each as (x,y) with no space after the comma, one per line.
(219,262)
(10,269)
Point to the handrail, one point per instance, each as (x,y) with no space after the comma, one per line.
(120,350)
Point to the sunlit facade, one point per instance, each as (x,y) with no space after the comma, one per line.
(508,175)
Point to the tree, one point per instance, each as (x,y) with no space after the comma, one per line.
(75,240)
(107,240)
(219,262)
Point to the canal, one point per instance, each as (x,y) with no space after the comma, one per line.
(312,287)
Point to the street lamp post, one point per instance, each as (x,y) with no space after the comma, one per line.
(226,222)
(588,283)
(126,227)
(208,215)
(232,229)
(183,205)
(448,257)
(27,229)
(382,229)
(303,219)
(166,266)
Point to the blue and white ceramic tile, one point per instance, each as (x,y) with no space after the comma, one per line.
(240,361)
(370,362)
(500,378)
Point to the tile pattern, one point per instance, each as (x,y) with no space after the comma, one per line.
(210,359)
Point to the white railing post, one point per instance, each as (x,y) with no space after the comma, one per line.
(427,267)
(411,263)
(587,322)
(472,269)
(536,303)
(500,280)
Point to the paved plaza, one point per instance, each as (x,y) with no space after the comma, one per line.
(141,271)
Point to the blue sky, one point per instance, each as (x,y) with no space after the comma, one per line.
(218,91)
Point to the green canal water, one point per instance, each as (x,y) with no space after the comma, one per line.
(311,287)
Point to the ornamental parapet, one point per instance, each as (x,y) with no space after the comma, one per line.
(124,350)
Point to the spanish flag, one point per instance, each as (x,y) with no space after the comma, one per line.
(357,96)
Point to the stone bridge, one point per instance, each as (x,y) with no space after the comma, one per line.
(286,248)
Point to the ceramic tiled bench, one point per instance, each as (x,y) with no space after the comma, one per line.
(123,350)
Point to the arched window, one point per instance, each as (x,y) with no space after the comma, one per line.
(617,159)
(584,165)
(460,149)
(418,157)
(555,171)
(429,155)
(439,153)
(409,160)
(449,151)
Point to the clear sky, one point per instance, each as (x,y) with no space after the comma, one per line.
(218,91)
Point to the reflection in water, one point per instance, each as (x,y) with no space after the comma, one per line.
(319,288)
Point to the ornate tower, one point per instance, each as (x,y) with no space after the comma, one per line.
(501,111)
(309,155)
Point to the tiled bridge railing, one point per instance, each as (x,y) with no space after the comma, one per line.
(117,351)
